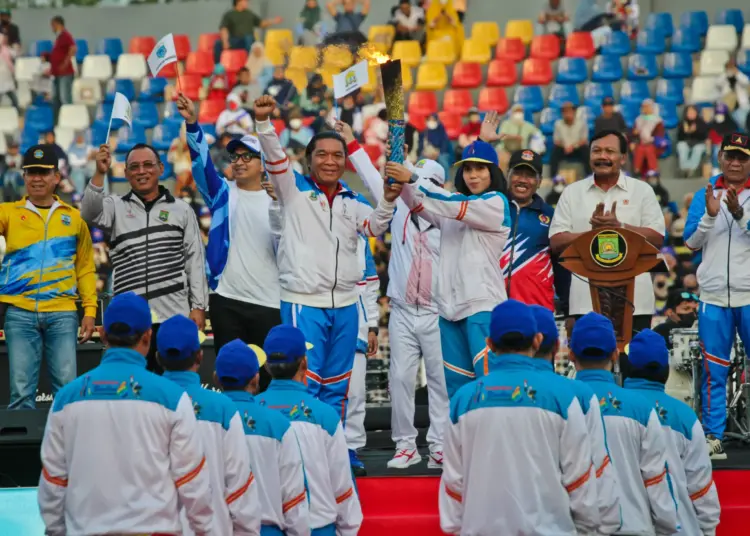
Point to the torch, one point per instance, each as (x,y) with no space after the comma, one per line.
(393,94)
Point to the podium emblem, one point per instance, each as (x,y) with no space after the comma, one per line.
(608,249)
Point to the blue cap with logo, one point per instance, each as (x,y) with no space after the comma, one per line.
(593,337)
(545,323)
(285,344)
(512,317)
(479,151)
(178,338)
(130,313)
(237,363)
(648,347)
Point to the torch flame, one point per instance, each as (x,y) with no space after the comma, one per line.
(373,56)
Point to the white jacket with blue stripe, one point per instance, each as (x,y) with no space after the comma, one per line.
(369,290)
(318,257)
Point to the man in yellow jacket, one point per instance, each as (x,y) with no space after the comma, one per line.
(48,263)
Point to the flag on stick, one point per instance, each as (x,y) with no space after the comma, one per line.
(163,54)
(121,109)
(350,80)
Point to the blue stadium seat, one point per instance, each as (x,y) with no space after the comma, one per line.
(37,48)
(164,134)
(594,93)
(668,113)
(642,67)
(633,92)
(629,112)
(120,85)
(650,42)
(686,40)
(127,138)
(112,47)
(733,17)
(82,50)
(572,71)
(39,118)
(103,112)
(530,97)
(550,143)
(168,168)
(547,120)
(660,21)
(607,69)
(98,133)
(696,20)
(171,115)
(145,114)
(616,44)
(209,129)
(670,90)
(562,93)
(677,65)
(153,89)
(589,115)
(29,137)
(743,61)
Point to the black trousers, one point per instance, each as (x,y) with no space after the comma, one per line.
(234,319)
(580,155)
(151,363)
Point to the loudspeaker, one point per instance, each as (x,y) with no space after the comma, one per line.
(21,433)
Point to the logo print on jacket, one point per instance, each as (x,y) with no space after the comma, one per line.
(610,400)
(163,215)
(661,412)
(65,219)
(249,421)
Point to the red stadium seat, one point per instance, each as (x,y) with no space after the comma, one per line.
(502,72)
(210,110)
(206,41)
(191,85)
(545,47)
(182,46)
(142,45)
(510,48)
(233,60)
(373,151)
(422,103)
(200,62)
(452,122)
(536,72)
(418,121)
(493,98)
(307,121)
(467,75)
(580,45)
(169,71)
(279,126)
(457,101)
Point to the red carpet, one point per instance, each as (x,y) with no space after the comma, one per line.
(401,506)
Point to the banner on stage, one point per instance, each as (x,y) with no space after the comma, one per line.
(163,54)
(350,80)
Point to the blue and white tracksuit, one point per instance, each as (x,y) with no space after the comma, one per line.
(319,267)
(698,506)
(724,280)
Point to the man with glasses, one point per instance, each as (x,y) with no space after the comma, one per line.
(681,312)
(718,223)
(155,242)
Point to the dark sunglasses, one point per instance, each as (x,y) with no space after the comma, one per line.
(246,157)
(737,156)
(689,296)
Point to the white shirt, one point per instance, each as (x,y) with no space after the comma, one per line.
(251,274)
(410,21)
(636,205)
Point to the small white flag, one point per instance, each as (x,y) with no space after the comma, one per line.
(163,54)
(121,109)
(350,80)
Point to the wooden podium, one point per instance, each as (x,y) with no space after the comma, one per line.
(611,259)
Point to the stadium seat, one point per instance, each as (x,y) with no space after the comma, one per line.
(452,122)
(476,51)
(458,101)
(695,20)
(616,44)
(200,62)
(152,89)
(142,45)
(145,114)
(29,137)
(650,42)
(743,62)
(594,93)
(510,49)
(381,34)
(536,72)
(422,103)
(279,37)
(127,137)
(419,122)
(633,91)
(82,50)
(530,97)
(712,62)
(745,39)
(9,121)
(630,112)
(233,60)
(209,110)
(206,41)
(298,77)
(126,87)
(431,77)
(547,120)
(87,91)
(73,116)
(276,55)
(502,72)
(588,115)
(661,22)
(545,47)
(493,98)
(209,129)
(337,57)
(466,75)
(523,29)
(685,40)
(559,94)
(642,67)
(39,117)
(721,37)
(305,58)
(441,51)
(607,69)
(163,135)
(677,65)
(327,73)
(372,82)
(409,52)
(97,67)
(26,68)
(733,17)
(112,47)
(572,71)
(668,113)
(103,112)
(172,117)
(704,90)
(170,70)
(670,90)
(580,45)
(181,45)
(42,46)
(64,137)
(486,31)
(132,66)
(191,85)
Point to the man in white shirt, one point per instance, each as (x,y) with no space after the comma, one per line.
(241,251)
(608,199)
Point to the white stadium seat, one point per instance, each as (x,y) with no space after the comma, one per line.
(713,62)
(745,42)
(27,68)
(97,66)
(87,91)
(704,90)
(3,145)
(75,116)
(722,37)
(8,120)
(64,137)
(131,66)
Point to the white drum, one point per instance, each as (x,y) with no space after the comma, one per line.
(684,363)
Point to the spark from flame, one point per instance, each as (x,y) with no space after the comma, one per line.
(373,55)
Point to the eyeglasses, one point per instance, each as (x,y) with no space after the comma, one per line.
(689,296)
(246,157)
(147,166)
(736,156)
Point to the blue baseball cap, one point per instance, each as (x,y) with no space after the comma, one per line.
(593,337)
(545,323)
(479,151)
(512,316)
(648,347)
(178,338)
(285,344)
(131,312)
(237,363)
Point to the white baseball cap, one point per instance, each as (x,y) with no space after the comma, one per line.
(250,142)
(429,169)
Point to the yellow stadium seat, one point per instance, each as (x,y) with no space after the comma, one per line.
(381,34)
(337,57)
(409,52)
(431,77)
(406,77)
(298,78)
(372,81)
(327,74)
(283,39)
(523,29)
(276,56)
(487,31)
(305,58)
(441,51)
(476,52)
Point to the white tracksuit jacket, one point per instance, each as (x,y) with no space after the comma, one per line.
(369,291)
(121,453)
(317,256)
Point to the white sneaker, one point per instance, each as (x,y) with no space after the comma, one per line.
(404,458)
(435,460)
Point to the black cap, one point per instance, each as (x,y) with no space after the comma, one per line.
(526,157)
(678,295)
(40,156)
(736,141)
(608,101)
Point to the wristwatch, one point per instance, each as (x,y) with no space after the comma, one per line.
(374,330)
(414,178)
(737,215)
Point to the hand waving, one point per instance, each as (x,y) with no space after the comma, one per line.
(186,108)
(713,203)
(264,107)
(488,131)
(730,199)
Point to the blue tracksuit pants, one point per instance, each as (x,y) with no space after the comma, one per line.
(333,334)
(717,329)
(462,341)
